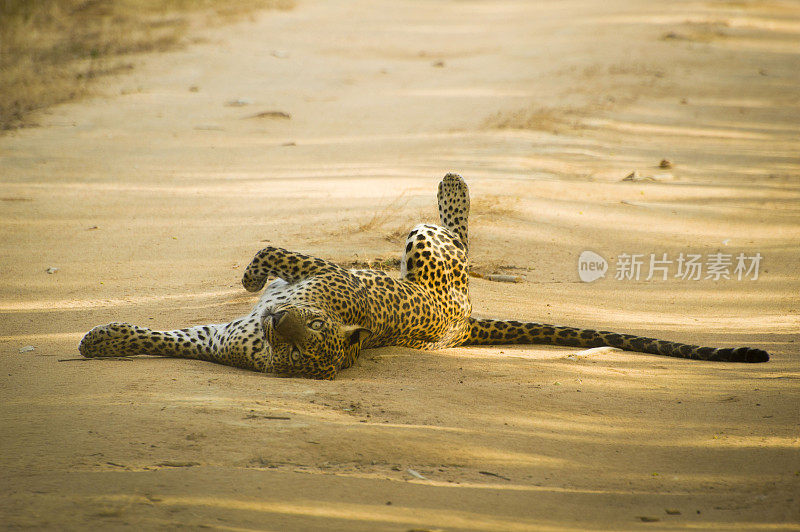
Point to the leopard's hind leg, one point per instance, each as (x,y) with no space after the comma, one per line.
(453,198)
(436,257)
(434,274)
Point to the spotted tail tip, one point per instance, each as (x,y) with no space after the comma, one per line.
(741,354)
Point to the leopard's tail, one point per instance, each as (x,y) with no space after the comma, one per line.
(498,332)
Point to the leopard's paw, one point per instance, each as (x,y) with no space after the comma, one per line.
(257,272)
(112,340)
(454,180)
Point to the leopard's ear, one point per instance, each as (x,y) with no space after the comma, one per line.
(355,334)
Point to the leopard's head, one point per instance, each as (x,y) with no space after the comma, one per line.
(309,342)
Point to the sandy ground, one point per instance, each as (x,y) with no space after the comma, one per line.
(151,198)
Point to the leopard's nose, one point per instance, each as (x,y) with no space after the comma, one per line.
(272,317)
(277,317)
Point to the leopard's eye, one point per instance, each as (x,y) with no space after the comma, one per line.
(316,325)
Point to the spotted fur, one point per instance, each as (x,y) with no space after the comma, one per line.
(315,317)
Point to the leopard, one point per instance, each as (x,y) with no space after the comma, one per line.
(315,317)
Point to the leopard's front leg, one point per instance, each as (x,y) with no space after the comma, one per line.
(240,343)
(284,264)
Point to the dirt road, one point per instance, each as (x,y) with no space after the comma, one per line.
(325,129)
